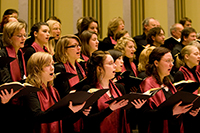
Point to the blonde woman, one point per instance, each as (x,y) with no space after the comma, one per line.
(116,24)
(40,68)
(55,32)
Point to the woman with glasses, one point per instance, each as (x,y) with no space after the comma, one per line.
(154,119)
(68,50)
(38,40)
(14,36)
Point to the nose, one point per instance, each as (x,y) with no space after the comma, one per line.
(97,41)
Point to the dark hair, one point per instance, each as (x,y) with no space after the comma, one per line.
(54,18)
(183,20)
(120,34)
(186,32)
(97,59)
(115,54)
(153,32)
(151,69)
(10,11)
(86,22)
(36,28)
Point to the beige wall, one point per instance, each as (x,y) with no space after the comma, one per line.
(5,4)
(110,9)
(192,11)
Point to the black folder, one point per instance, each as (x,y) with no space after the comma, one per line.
(189,86)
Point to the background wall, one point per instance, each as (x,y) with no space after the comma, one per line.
(132,11)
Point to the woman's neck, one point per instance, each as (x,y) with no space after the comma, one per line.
(104,83)
(16,49)
(41,45)
(189,65)
(72,62)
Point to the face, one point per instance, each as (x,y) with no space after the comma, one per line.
(109,67)
(93,43)
(159,39)
(47,73)
(177,32)
(42,36)
(130,49)
(188,24)
(120,26)
(119,64)
(194,57)
(73,50)
(165,65)
(93,27)
(56,30)
(192,36)
(157,23)
(18,39)
(12,19)
(152,24)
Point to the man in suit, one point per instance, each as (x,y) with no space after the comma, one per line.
(175,31)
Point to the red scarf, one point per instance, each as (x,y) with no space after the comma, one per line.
(14,65)
(149,83)
(133,67)
(46,98)
(113,41)
(78,126)
(70,69)
(85,58)
(38,48)
(189,76)
(115,122)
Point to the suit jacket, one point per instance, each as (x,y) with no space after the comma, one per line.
(170,43)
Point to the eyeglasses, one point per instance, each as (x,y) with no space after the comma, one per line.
(20,35)
(74,46)
(169,61)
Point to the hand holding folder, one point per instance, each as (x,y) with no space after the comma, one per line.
(134,96)
(79,97)
(24,89)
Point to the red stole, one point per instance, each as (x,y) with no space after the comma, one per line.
(46,98)
(113,41)
(149,83)
(85,58)
(189,76)
(116,122)
(14,65)
(70,69)
(133,67)
(74,80)
(38,48)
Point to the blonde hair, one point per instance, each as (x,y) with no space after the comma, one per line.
(61,45)
(9,30)
(113,25)
(144,58)
(51,23)
(35,66)
(180,59)
(122,42)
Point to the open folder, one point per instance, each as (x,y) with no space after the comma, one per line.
(189,85)
(78,97)
(24,89)
(134,96)
(185,97)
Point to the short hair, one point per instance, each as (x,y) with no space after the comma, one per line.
(186,32)
(10,11)
(174,27)
(184,19)
(122,42)
(113,25)
(120,34)
(144,58)
(54,18)
(146,22)
(61,45)
(85,38)
(86,22)
(51,23)
(8,31)
(153,32)
(35,66)
(115,54)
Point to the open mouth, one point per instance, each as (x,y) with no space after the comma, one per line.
(51,74)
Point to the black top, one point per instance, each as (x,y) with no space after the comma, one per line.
(177,49)
(5,75)
(170,43)
(128,66)
(106,44)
